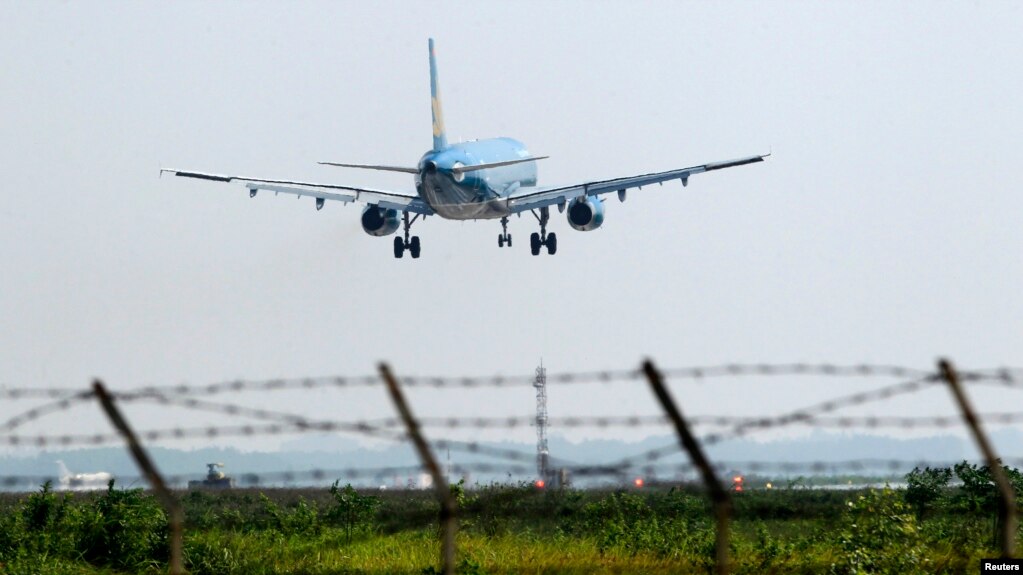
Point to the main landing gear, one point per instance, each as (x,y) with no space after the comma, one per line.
(504,237)
(536,240)
(401,245)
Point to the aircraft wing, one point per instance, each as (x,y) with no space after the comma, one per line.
(526,199)
(322,192)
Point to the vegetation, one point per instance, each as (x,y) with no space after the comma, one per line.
(943,521)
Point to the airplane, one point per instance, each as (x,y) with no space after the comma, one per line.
(82,481)
(473,180)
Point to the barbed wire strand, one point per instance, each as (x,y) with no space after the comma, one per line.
(252,430)
(697,373)
(804,414)
(50,408)
(230,409)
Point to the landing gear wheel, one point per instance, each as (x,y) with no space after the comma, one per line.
(538,240)
(504,237)
(406,243)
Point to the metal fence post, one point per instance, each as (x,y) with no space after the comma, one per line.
(151,474)
(719,495)
(443,491)
(1006,496)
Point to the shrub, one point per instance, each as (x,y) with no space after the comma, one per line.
(352,511)
(615,519)
(925,487)
(880,535)
(123,528)
(304,518)
(769,550)
(43,525)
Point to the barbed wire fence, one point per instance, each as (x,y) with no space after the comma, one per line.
(408,428)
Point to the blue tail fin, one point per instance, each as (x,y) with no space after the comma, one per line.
(440,138)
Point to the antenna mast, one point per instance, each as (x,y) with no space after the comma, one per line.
(542,454)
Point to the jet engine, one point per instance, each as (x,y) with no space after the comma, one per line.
(585,214)
(377,221)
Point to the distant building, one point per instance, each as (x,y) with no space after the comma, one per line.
(215,479)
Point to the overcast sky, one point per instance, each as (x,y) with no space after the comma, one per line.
(886,226)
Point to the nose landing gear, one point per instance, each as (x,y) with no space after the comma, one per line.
(538,240)
(412,245)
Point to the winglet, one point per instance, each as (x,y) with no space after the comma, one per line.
(440,138)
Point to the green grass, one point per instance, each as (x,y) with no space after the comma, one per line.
(417,552)
(503,529)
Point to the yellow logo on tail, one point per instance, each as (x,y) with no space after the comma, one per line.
(438,117)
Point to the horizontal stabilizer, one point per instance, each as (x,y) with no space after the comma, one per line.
(456,170)
(369,167)
(463,169)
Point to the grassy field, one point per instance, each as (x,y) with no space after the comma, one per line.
(929,527)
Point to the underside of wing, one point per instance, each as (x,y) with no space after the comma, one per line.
(533,198)
(321,192)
